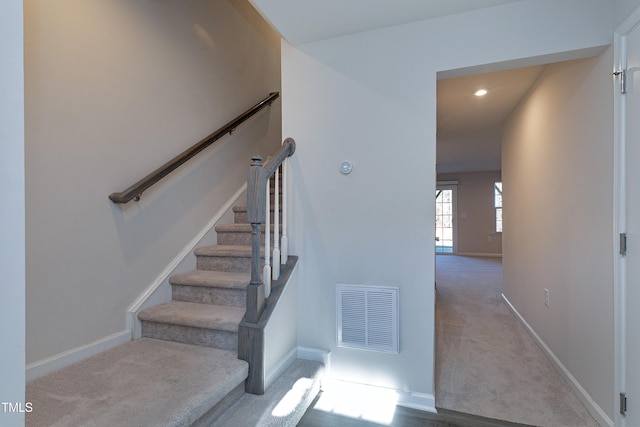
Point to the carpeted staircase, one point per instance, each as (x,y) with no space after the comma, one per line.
(208,303)
(187,357)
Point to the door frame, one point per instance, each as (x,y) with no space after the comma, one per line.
(619,211)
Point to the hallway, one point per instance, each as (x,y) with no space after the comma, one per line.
(486,362)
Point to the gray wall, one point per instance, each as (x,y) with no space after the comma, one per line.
(476,214)
(115,88)
(557,170)
(12,223)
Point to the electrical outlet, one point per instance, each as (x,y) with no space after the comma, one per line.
(546,297)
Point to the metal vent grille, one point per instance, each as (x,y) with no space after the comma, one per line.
(367,317)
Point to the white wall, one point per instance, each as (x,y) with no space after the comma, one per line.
(12,222)
(371,98)
(476,213)
(340,229)
(558,218)
(114,89)
(622,9)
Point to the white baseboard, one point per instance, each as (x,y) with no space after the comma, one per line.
(594,409)
(414,400)
(421,401)
(141,302)
(316,355)
(480,254)
(66,358)
(282,366)
(378,395)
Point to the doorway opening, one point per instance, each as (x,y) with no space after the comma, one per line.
(469,147)
(468,234)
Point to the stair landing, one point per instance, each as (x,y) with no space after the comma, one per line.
(283,404)
(146,382)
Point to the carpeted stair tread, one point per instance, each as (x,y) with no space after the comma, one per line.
(300,380)
(238,251)
(206,316)
(212,279)
(145,382)
(243,208)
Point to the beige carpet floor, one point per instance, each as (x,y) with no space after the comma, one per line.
(486,362)
(142,383)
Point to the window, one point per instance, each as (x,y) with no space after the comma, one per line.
(497,203)
(445,210)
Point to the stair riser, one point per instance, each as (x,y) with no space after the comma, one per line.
(223,340)
(231,264)
(209,418)
(239,238)
(207,295)
(241,217)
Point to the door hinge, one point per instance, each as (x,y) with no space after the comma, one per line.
(623,79)
(623,403)
(623,243)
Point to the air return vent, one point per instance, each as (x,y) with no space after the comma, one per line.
(367,317)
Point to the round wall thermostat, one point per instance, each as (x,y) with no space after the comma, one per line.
(346,167)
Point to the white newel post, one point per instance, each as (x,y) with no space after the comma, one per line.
(276,227)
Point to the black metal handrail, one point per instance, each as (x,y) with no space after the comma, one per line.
(135,191)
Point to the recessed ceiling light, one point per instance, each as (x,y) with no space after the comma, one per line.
(480,92)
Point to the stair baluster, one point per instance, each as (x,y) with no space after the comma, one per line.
(275,273)
(285,237)
(266,273)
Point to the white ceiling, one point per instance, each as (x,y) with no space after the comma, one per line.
(470,127)
(303,21)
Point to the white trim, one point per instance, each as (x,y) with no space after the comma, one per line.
(594,409)
(629,23)
(414,400)
(66,358)
(421,401)
(479,254)
(619,130)
(315,355)
(619,214)
(133,324)
(282,366)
